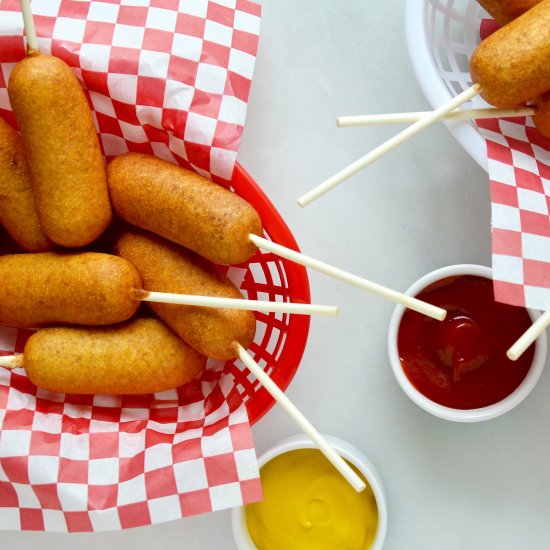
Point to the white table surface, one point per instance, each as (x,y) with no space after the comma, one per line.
(449,486)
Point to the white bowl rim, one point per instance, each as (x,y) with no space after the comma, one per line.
(345,449)
(447,413)
(432,86)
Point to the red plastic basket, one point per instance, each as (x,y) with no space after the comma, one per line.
(280,338)
(170,428)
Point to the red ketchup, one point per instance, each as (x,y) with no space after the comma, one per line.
(461,362)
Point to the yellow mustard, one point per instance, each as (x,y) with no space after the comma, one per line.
(308,505)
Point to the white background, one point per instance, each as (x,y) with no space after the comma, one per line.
(449,486)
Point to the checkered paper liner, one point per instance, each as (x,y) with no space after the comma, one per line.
(94,463)
(519,174)
(168,76)
(74,463)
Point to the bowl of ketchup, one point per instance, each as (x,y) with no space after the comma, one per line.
(457,369)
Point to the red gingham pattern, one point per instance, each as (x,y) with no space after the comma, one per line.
(169,77)
(519,174)
(93,463)
(166,77)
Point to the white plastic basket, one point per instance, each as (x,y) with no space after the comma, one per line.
(441,36)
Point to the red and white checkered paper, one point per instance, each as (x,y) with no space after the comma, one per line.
(172,78)
(94,463)
(519,174)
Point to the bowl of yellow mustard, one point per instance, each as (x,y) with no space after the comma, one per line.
(308,505)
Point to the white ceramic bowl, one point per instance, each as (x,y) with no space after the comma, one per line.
(350,453)
(461,415)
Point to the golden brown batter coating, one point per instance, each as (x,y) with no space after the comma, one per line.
(504,11)
(183,207)
(140,356)
(50,288)
(17,208)
(542,118)
(68,173)
(513,64)
(166,267)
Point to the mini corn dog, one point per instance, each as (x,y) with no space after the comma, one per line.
(512,66)
(17,207)
(90,288)
(137,357)
(68,173)
(170,268)
(49,288)
(183,207)
(208,219)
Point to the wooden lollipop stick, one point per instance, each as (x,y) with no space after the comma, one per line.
(346,277)
(235,303)
(337,461)
(386,147)
(30,31)
(463,114)
(529,336)
(11,361)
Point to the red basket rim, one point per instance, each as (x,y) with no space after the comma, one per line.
(298,327)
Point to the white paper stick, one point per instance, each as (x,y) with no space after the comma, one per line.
(462,114)
(346,277)
(337,461)
(235,303)
(11,361)
(386,147)
(28,21)
(529,336)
